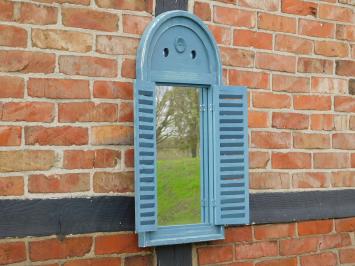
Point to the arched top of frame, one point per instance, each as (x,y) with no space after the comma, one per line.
(177,47)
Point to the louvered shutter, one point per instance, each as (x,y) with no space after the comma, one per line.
(231,155)
(145,157)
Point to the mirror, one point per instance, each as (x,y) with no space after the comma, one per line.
(178,155)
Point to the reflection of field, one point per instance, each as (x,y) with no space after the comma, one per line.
(179,191)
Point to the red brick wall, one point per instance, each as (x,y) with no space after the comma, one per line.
(66,72)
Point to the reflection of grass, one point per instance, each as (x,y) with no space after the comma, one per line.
(179,191)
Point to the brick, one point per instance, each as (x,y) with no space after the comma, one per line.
(120,182)
(112,135)
(331,48)
(311,180)
(145,260)
(314,227)
(345,225)
(270,140)
(135,24)
(269,5)
(271,100)
(13,36)
(238,234)
(209,255)
(291,44)
(27,62)
(329,85)
(334,241)
(78,159)
(26,160)
(203,11)
(291,160)
(345,68)
(89,19)
(129,158)
(137,5)
(237,57)
(10,136)
(28,111)
(116,243)
(269,180)
(56,249)
(276,23)
(58,88)
(316,28)
(72,41)
(312,102)
(298,246)
(258,159)
(113,90)
(87,66)
(290,83)
(258,119)
(274,62)
(311,141)
(256,250)
(345,32)
(87,112)
(234,17)
(75,2)
(353,160)
(59,183)
(344,104)
(343,179)
(322,121)
(248,38)
(125,113)
(11,87)
(107,158)
(128,69)
(12,252)
(6,10)
(251,79)
(337,13)
(298,7)
(94,262)
(347,255)
(313,65)
(278,262)
(36,14)
(11,186)
(57,136)
(222,35)
(322,259)
(116,45)
(274,231)
(328,160)
(352,122)
(290,120)
(345,141)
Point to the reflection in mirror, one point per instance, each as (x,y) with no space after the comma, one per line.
(178,155)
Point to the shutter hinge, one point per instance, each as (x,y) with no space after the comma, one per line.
(213,202)
(202,108)
(204,203)
(211,107)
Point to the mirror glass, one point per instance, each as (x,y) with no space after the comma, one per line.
(178,155)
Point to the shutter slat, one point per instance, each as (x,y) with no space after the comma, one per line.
(231,155)
(145,157)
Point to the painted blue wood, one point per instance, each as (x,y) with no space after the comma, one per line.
(178,49)
(145,156)
(231,155)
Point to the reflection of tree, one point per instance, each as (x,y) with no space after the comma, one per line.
(178,117)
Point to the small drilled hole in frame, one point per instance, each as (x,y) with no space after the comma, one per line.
(193,54)
(166,52)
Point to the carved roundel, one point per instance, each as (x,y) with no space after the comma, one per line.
(180,44)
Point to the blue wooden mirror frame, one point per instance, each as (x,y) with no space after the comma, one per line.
(178,49)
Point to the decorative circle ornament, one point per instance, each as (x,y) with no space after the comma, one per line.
(180,45)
